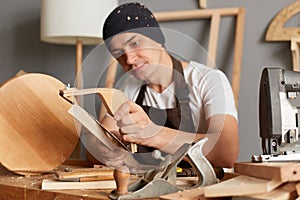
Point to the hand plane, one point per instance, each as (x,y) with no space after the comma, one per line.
(162,179)
(279,115)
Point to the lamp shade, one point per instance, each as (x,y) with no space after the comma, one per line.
(67,21)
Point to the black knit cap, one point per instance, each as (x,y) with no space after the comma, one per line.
(132,17)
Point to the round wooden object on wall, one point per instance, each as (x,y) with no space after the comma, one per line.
(36,132)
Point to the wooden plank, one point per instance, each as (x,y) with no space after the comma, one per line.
(112,100)
(17,187)
(54,184)
(196,193)
(282,171)
(91,125)
(240,185)
(86,174)
(286,191)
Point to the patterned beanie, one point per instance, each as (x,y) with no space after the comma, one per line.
(132,17)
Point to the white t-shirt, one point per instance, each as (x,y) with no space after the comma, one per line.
(210,94)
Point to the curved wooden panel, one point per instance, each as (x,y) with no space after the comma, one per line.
(36,132)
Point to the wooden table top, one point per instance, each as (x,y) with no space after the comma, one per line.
(18,187)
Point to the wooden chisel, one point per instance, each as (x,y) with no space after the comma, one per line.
(86,174)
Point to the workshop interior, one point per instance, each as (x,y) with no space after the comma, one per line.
(58,80)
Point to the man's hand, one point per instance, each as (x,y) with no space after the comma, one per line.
(109,157)
(134,124)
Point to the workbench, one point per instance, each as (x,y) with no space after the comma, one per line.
(19,187)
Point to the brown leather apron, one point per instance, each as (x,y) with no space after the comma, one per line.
(179,117)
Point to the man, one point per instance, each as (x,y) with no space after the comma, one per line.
(172,102)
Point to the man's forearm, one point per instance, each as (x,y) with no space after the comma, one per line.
(169,140)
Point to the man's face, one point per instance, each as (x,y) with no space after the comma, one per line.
(138,54)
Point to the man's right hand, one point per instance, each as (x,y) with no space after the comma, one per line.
(108,157)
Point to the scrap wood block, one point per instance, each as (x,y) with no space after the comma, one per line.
(282,171)
(285,191)
(239,186)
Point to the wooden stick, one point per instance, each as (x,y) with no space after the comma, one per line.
(79,85)
(213,40)
(202,4)
(238,51)
(194,14)
(78,80)
(110,81)
(87,173)
(295,53)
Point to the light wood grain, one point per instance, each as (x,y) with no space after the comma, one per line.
(196,193)
(52,184)
(241,185)
(36,132)
(203,4)
(286,191)
(295,49)
(111,98)
(283,171)
(213,39)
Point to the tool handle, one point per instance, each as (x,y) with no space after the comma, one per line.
(99,173)
(121,176)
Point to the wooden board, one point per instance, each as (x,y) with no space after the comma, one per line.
(283,171)
(286,191)
(18,187)
(240,185)
(54,184)
(111,98)
(36,132)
